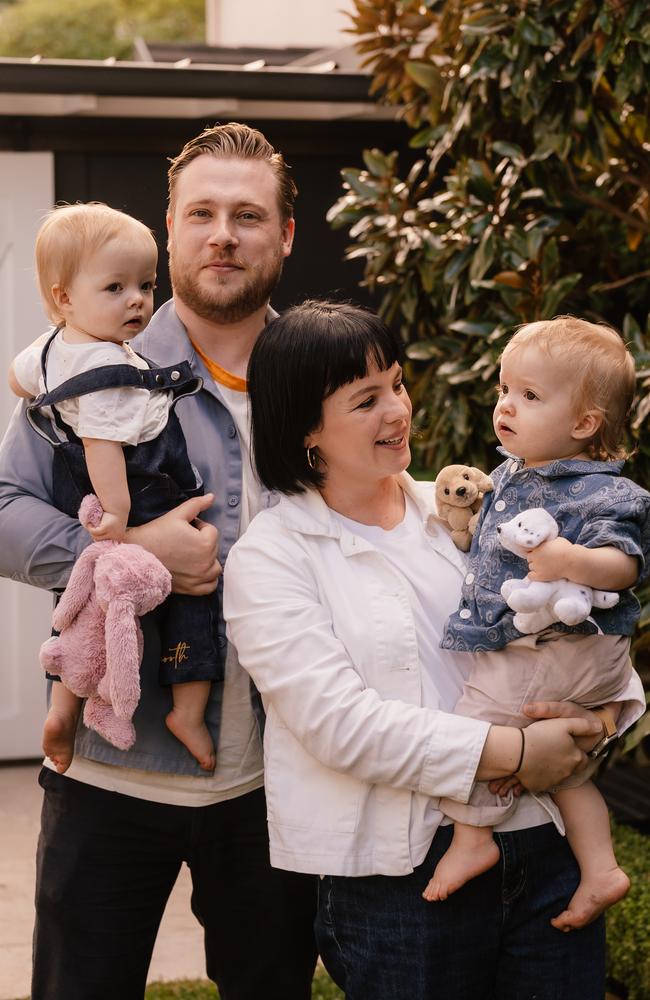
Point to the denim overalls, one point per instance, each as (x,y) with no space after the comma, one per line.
(160,476)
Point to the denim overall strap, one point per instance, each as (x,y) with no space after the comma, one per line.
(35,418)
(177,379)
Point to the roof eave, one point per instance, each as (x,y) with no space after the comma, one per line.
(135,79)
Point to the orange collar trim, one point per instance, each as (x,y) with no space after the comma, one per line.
(220,374)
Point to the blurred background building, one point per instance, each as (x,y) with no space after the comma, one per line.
(82,130)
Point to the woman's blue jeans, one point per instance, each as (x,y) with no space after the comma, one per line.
(491,940)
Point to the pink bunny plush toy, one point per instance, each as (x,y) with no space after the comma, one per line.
(98,652)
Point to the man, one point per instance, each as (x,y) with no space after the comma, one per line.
(118,825)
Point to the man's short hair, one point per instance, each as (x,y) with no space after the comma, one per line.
(238,141)
(72,233)
(300,359)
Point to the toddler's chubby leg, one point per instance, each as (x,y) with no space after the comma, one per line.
(60,726)
(187,721)
(472,851)
(602,882)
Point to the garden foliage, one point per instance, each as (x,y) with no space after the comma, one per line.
(531,196)
(628,957)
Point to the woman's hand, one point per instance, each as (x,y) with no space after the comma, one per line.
(569,710)
(184,544)
(550,751)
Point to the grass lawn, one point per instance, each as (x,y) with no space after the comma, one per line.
(195,989)
(201,989)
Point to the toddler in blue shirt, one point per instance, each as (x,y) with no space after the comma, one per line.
(566,389)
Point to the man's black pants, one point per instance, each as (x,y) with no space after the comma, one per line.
(105,868)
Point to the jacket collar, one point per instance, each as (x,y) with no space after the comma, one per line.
(569,466)
(165,341)
(308,514)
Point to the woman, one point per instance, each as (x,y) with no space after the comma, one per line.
(336,599)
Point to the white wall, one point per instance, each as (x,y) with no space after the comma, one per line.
(276,23)
(26,193)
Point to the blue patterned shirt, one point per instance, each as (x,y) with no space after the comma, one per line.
(593,505)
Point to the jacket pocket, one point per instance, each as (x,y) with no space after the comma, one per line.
(303,793)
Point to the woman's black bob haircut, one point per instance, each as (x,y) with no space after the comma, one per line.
(299,359)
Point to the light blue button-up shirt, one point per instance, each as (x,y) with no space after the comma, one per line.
(38,545)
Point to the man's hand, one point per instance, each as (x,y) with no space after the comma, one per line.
(569,710)
(549,560)
(184,544)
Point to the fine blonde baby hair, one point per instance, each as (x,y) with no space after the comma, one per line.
(70,235)
(603,369)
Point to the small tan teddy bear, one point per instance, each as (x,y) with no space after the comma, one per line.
(459,493)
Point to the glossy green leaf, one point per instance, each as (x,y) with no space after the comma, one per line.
(377,162)
(424,74)
(470,328)
(509,149)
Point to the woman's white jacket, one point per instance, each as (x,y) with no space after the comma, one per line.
(324,626)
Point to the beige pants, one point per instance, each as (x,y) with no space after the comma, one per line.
(587,669)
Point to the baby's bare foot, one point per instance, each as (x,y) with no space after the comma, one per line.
(195,736)
(594,895)
(458,865)
(58,738)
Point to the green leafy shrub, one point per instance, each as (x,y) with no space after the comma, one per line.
(531,196)
(62,29)
(95,29)
(628,955)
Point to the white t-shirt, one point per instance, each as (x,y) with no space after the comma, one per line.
(405,547)
(239,406)
(125,414)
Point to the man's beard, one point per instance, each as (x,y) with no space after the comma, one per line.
(218,304)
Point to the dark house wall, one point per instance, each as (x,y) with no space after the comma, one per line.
(123,163)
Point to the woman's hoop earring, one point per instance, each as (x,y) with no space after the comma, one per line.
(311,459)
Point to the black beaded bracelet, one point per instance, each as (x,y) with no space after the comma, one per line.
(521,755)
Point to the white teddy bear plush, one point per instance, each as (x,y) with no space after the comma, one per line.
(537,604)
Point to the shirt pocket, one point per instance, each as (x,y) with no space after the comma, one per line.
(490,605)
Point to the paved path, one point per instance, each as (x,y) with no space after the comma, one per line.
(179,949)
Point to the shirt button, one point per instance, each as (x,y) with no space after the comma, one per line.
(513,468)
(221,641)
(465,613)
(470,578)
(233,501)
(160,379)
(231,431)
(175,376)
(500,505)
